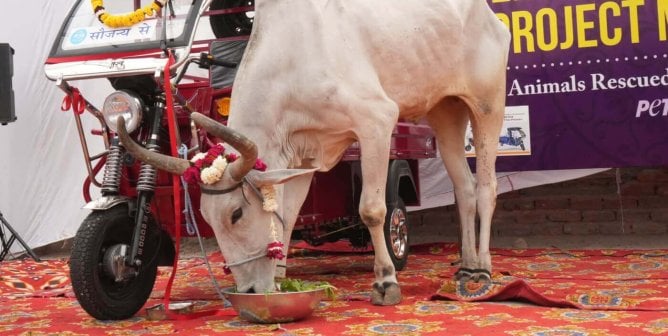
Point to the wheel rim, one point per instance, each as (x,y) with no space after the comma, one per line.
(398,233)
(116,290)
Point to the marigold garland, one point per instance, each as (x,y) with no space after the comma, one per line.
(125,20)
(208,168)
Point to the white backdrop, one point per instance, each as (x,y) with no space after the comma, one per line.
(41,164)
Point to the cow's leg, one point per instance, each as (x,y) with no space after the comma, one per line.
(487,78)
(486,122)
(448,119)
(374,140)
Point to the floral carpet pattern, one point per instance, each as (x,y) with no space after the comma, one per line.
(533,292)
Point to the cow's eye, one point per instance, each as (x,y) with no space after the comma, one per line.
(236,215)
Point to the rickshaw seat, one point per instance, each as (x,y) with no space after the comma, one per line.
(231,51)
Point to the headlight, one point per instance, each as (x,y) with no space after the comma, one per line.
(125,104)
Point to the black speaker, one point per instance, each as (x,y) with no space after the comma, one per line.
(7,112)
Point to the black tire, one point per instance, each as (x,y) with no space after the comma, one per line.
(467,147)
(396,233)
(227,25)
(97,292)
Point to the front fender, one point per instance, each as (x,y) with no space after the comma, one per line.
(167,251)
(107,202)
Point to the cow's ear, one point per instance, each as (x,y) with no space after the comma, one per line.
(278,176)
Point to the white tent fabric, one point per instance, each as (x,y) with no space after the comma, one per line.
(436,188)
(41,163)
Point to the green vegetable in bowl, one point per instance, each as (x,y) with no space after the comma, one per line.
(296,285)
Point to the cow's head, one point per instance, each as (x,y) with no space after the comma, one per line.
(233,205)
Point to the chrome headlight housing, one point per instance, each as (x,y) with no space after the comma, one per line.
(122,104)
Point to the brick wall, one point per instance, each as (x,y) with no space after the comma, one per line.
(627,201)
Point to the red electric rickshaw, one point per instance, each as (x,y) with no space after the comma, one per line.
(130,230)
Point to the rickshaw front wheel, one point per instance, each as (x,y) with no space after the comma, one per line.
(104,287)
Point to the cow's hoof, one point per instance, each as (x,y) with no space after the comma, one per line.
(387,295)
(482,275)
(464,274)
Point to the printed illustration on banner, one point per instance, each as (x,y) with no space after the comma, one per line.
(515,137)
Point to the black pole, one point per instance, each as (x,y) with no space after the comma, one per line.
(15,236)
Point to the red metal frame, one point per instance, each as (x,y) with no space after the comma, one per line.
(333,196)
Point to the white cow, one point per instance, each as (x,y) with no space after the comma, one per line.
(318,75)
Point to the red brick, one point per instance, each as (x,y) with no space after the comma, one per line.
(542,191)
(598,216)
(627,202)
(659,215)
(662,190)
(653,202)
(547,229)
(609,174)
(614,228)
(653,175)
(551,203)
(635,215)
(509,195)
(649,228)
(518,204)
(432,231)
(503,217)
(590,205)
(581,228)
(629,173)
(602,181)
(529,217)
(610,202)
(436,217)
(521,230)
(415,219)
(586,203)
(573,184)
(583,186)
(638,188)
(564,216)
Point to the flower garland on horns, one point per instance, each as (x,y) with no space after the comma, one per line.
(125,20)
(208,168)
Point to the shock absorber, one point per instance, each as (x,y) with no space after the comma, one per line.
(148,173)
(112,169)
(145,189)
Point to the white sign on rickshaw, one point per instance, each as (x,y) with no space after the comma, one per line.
(98,35)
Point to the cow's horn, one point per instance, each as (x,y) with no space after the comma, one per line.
(164,162)
(246,148)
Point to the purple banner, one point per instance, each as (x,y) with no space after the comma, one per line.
(592,77)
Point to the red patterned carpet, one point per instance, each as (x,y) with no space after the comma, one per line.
(601,292)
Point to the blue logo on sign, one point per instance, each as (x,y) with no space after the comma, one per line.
(78,36)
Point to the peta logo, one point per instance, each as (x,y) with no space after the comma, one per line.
(654,108)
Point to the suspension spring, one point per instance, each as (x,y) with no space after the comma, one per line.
(112,169)
(147,173)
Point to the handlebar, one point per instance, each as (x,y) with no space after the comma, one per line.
(207,60)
